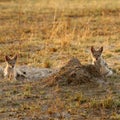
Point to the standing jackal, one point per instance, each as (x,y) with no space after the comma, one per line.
(9,70)
(99,62)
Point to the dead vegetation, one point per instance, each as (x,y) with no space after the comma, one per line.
(48,33)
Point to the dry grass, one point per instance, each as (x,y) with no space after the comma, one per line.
(47,33)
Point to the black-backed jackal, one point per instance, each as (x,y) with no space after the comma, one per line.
(99,62)
(10,70)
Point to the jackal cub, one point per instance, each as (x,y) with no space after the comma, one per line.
(9,70)
(99,62)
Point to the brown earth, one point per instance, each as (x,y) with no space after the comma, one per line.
(75,73)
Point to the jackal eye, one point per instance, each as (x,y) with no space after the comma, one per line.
(9,62)
(98,55)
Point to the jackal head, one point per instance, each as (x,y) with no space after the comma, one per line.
(96,54)
(11,61)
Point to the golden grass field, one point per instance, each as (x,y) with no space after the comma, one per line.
(47,33)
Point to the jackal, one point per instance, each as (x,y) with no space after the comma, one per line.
(99,62)
(10,70)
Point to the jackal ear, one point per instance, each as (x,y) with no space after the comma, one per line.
(7,58)
(101,49)
(15,57)
(92,49)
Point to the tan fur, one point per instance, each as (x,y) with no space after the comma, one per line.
(99,62)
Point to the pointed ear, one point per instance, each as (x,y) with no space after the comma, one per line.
(101,49)
(7,58)
(15,57)
(92,49)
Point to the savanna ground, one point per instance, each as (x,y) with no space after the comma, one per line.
(47,33)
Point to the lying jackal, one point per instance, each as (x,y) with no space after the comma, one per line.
(10,70)
(99,62)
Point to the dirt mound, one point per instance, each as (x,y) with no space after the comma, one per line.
(33,73)
(74,73)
